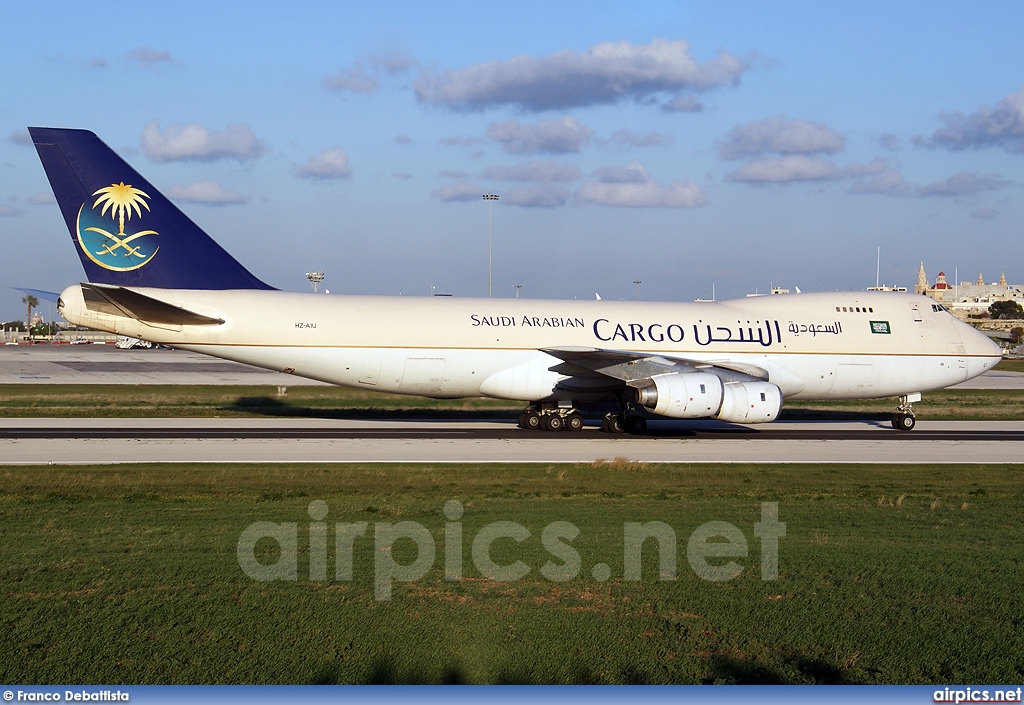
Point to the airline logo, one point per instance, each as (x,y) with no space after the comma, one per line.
(115,207)
(880,327)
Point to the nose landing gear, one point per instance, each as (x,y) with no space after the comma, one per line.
(903,418)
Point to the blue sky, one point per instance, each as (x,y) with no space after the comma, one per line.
(686,144)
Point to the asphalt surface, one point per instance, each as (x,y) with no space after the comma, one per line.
(108,364)
(326,440)
(304,440)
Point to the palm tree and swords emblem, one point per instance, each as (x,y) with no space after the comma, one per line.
(122,201)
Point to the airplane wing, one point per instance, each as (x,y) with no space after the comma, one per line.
(632,366)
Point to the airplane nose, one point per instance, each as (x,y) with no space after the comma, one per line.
(982,352)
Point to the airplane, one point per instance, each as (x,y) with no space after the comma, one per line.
(155,275)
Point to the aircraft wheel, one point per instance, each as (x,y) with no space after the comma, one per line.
(521,422)
(574,421)
(636,424)
(553,422)
(531,421)
(906,422)
(615,424)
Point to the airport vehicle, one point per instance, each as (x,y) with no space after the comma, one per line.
(155,275)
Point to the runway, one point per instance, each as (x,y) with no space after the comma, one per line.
(77,441)
(107,364)
(91,441)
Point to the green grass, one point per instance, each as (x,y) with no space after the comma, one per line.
(175,401)
(943,405)
(1010,366)
(128,574)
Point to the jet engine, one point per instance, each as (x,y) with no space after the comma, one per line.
(750,402)
(697,395)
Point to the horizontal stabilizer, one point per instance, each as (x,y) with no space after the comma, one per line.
(118,301)
(39,293)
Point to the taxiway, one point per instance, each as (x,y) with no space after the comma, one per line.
(99,441)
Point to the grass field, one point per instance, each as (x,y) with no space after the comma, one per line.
(65,401)
(129,574)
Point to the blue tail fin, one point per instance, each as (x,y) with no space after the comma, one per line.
(127,233)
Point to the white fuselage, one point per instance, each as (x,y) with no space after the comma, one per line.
(813,346)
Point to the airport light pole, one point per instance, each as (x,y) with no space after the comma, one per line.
(517,287)
(490,198)
(315,278)
(638,282)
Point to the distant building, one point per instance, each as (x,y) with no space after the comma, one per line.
(965,299)
(776,290)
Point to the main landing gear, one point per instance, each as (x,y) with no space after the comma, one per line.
(623,422)
(550,417)
(903,418)
(546,416)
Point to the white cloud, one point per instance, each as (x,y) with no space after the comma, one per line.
(558,136)
(683,103)
(965,184)
(536,171)
(627,138)
(985,213)
(393,63)
(889,142)
(7,211)
(329,164)
(778,135)
(632,187)
(459,141)
(537,196)
(606,73)
(872,168)
(358,80)
(43,198)
(458,192)
(785,169)
(879,177)
(207,193)
(1000,126)
(196,143)
(354,79)
(888,182)
(148,57)
(632,173)
(21,137)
